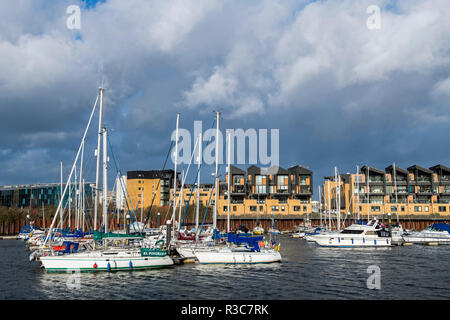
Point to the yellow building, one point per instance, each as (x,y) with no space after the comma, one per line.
(420,191)
(259,192)
(143,186)
(255,192)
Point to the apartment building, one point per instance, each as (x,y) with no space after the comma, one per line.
(412,191)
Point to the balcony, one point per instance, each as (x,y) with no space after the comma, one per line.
(422,179)
(305,189)
(425,190)
(238,189)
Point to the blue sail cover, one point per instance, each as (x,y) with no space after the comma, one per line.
(440,227)
(251,241)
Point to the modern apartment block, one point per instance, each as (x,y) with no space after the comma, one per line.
(143,186)
(275,190)
(420,191)
(253,192)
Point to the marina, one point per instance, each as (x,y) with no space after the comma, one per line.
(234,154)
(307,272)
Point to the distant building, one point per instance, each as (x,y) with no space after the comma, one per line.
(120,194)
(36,195)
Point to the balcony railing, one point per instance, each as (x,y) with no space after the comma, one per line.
(423,179)
(305,189)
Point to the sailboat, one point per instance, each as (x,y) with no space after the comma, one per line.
(105,258)
(239,249)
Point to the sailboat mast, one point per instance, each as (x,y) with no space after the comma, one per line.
(61,213)
(181,200)
(229,182)
(215,176)
(320,206)
(339,204)
(197,211)
(329,204)
(100,114)
(175,173)
(80,188)
(105,181)
(142,204)
(368,202)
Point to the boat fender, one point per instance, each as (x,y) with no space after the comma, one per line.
(109,266)
(95,265)
(374,241)
(131,265)
(339,239)
(352,241)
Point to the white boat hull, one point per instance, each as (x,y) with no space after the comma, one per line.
(352,241)
(99,261)
(426,239)
(237,257)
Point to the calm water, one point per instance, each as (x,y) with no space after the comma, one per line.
(307,272)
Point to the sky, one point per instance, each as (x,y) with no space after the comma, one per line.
(341,94)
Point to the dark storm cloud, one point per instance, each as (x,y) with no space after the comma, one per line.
(341,94)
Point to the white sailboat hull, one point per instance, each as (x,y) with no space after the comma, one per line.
(101,261)
(237,257)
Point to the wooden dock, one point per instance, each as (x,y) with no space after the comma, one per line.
(9,238)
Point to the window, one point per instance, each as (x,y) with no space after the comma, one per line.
(234,208)
(225,208)
(296,208)
(375,209)
(417,209)
(282,208)
(274,208)
(261,208)
(282,182)
(427,209)
(303,180)
(252,208)
(304,208)
(403,209)
(139,188)
(393,209)
(442,209)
